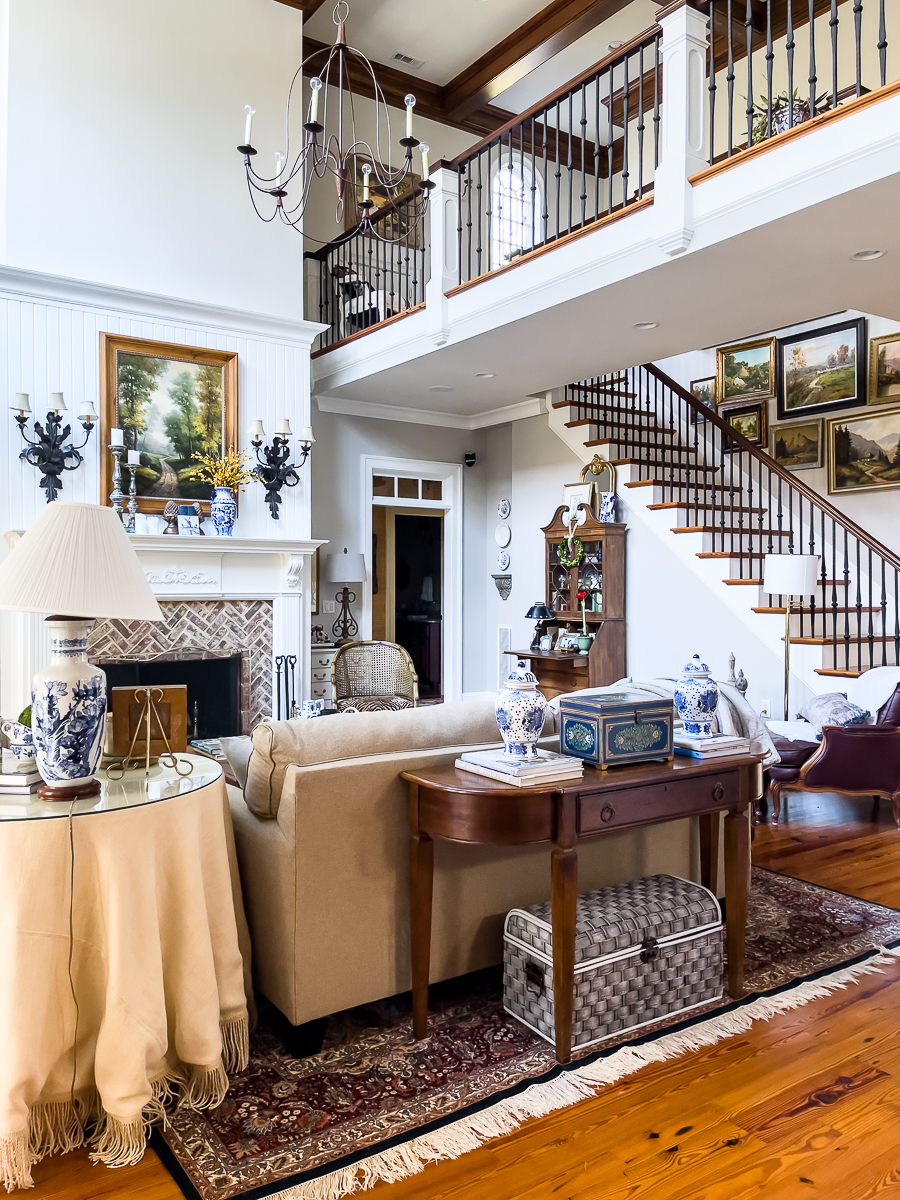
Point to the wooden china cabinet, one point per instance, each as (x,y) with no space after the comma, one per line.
(601,573)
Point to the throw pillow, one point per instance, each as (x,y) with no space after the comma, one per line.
(238,750)
(833,708)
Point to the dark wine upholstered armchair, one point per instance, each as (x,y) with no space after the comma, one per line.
(856,760)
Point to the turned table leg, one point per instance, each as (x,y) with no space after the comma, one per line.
(421,877)
(564,894)
(710,827)
(737,870)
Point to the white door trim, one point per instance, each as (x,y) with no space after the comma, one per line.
(451,477)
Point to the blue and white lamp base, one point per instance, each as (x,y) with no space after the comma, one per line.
(68,713)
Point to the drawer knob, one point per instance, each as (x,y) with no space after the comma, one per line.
(719,792)
(607,813)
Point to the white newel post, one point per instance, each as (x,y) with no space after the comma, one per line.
(684,46)
(443,219)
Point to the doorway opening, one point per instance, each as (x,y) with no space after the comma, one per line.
(408,589)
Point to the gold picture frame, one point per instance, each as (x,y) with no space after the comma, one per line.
(745,371)
(879,349)
(864,451)
(147,388)
(799,446)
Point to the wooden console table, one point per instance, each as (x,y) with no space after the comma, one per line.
(462,807)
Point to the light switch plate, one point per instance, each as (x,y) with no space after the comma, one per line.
(328,606)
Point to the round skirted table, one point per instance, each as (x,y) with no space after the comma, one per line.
(124,963)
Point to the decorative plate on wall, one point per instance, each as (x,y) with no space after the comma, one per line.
(504,508)
(503,560)
(502,534)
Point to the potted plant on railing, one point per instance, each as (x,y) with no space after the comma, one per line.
(225,474)
(786,114)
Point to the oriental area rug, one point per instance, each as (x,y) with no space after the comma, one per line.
(377,1105)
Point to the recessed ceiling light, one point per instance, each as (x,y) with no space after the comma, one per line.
(486,375)
(610,46)
(440,387)
(646,324)
(866,255)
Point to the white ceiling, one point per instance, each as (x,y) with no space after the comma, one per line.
(778,274)
(448,35)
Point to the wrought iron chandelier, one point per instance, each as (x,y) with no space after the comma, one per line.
(326,151)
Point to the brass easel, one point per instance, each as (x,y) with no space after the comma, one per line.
(131,760)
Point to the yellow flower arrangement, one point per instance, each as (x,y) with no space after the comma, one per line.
(231,471)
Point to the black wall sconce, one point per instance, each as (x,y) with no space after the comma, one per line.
(274,470)
(47,450)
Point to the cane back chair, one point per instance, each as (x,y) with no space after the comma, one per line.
(367,676)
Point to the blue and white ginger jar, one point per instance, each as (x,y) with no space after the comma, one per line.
(223,511)
(68,707)
(696,698)
(520,714)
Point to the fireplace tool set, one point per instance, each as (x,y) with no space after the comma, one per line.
(285,686)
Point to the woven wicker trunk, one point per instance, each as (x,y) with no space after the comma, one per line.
(643,950)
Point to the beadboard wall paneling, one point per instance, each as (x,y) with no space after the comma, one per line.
(52,344)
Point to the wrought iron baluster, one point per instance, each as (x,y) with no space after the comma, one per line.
(597,148)
(489,214)
(812,58)
(546,213)
(459,225)
(479,203)
(748,26)
(609,138)
(858,610)
(883,607)
(640,124)
(656,98)
(729,79)
(558,170)
(789,47)
(882,44)
(711,85)
(583,141)
(469,218)
(857,37)
(833,23)
(770,57)
(569,129)
(870,638)
(625,90)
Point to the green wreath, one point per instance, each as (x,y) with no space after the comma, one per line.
(577,553)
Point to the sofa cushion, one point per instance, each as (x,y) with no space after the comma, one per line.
(889,714)
(793,753)
(280,744)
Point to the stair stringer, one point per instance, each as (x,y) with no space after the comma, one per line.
(767,627)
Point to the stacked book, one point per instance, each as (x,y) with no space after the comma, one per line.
(717,745)
(548,767)
(19,783)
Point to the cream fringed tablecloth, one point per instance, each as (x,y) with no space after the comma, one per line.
(159,966)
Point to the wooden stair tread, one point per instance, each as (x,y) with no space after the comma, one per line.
(820,609)
(842,674)
(737,582)
(643,462)
(674,485)
(840,640)
(711,507)
(728,529)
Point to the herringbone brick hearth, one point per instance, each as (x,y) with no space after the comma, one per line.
(201,629)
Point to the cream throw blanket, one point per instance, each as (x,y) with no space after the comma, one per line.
(733,716)
(157,968)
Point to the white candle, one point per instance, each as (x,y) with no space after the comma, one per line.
(279,167)
(410,102)
(21,403)
(57,403)
(283,427)
(134,458)
(306,435)
(316,86)
(256,430)
(425,150)
(366,172)
(117,437)
(248,124)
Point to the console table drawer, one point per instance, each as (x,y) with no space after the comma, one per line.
(655,802)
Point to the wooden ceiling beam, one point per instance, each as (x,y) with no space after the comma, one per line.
(551,30)
(307,7)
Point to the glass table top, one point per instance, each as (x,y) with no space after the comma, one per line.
(132,790)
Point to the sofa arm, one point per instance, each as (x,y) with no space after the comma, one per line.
(855,758)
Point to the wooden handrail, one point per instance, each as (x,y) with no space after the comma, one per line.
(622,52)
(736,438)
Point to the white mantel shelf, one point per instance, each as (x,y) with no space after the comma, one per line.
(176,544)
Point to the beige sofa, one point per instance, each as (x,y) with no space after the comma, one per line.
(322,835)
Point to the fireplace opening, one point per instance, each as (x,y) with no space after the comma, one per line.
(213,689)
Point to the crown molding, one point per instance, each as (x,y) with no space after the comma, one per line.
(19,283)
(531,407)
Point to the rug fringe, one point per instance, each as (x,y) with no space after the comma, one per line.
(467,1134)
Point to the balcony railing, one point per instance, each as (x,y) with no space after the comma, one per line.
(773,66)
(579,155)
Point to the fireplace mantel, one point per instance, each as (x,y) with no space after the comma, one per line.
(198,568)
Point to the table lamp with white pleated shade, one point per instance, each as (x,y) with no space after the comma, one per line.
(76,563)
(789,576)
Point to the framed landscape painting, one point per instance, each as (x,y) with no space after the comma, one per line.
(798,447)
(171,402)
(864,451)
(884,369)
(821,370)
(703,390)
(749,420)
(745,372)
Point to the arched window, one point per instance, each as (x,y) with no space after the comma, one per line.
(516,211)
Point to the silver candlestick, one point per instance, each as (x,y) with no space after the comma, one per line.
(132,498)
(116,496)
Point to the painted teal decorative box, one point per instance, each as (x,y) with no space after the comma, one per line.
(615,728)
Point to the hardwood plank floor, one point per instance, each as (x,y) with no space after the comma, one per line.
(807,1104)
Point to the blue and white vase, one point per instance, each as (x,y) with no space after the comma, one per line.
(696,698)
(520,714)
(223,510)
(68,707)
(607,507)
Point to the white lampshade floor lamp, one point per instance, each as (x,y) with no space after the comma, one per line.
(75,561)
(791,576)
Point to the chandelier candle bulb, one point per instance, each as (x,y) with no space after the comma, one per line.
(410,102)
(366,172)
(117,437)
(315,86)
(248,124)
(425,149)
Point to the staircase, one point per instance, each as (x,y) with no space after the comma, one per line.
(722,504)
